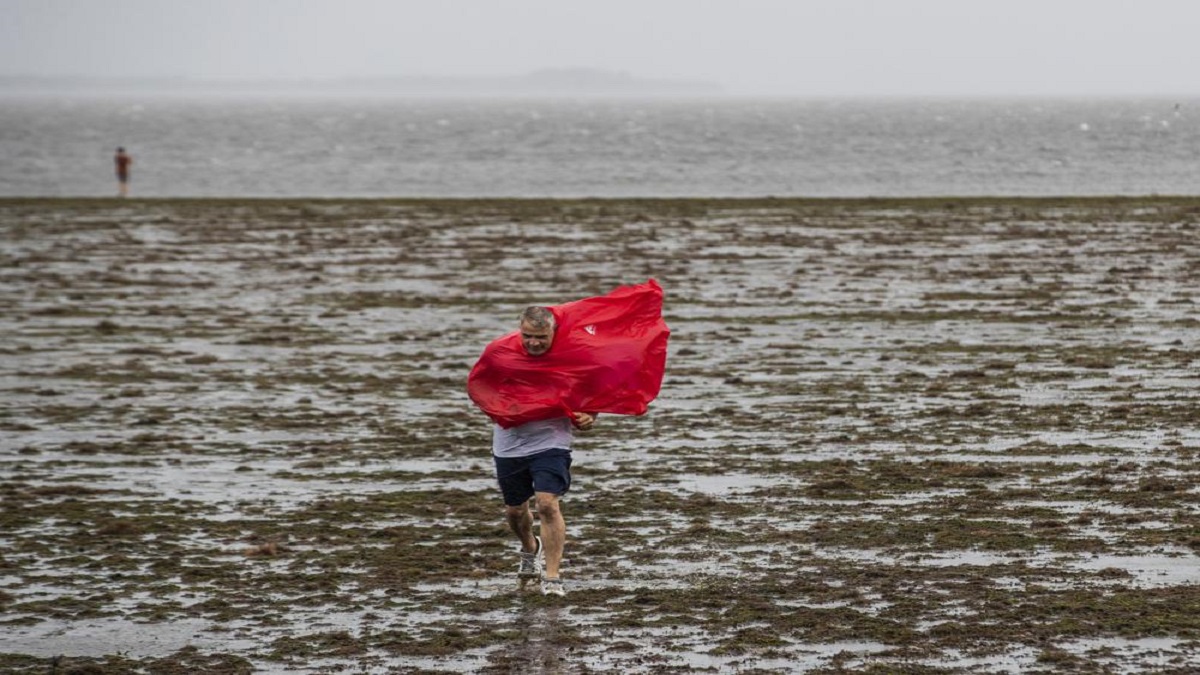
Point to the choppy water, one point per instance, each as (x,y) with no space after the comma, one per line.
(590,147)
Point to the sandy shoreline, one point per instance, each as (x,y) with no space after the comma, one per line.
(894,434)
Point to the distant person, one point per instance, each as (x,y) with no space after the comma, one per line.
(122,161)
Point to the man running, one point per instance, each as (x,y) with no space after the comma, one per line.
(550,378)
(533,460)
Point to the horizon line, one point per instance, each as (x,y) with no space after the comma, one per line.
(548,82)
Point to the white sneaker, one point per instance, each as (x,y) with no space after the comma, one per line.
(553,587)
(530,566)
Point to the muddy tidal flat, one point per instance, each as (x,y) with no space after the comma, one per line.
(922,436)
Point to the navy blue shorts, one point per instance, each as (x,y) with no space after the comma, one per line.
(547,471)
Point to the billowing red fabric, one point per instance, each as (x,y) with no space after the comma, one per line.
(608,355)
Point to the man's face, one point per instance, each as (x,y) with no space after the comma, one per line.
(536,340)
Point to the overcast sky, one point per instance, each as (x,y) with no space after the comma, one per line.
(787,47)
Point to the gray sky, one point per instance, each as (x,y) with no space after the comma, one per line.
(790,47)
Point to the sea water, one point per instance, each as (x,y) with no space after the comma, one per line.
(362,147)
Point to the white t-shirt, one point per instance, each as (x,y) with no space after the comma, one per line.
(532,437)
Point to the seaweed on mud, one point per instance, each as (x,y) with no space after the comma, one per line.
(928,431)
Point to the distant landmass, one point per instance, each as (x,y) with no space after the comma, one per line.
(548,82)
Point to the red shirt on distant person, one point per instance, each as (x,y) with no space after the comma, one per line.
(122,161)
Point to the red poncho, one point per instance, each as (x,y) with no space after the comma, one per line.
(608,355)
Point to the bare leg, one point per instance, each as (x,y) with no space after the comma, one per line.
(554,531)
(521,522)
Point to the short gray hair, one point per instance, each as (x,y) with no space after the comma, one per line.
(538,317)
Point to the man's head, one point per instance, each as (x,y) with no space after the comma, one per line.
(537,330)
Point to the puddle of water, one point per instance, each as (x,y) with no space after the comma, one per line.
(90,637)
(1019,660)
(729,484)
(1149,571)
(1147,652)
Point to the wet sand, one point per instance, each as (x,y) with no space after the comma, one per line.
(895,436)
